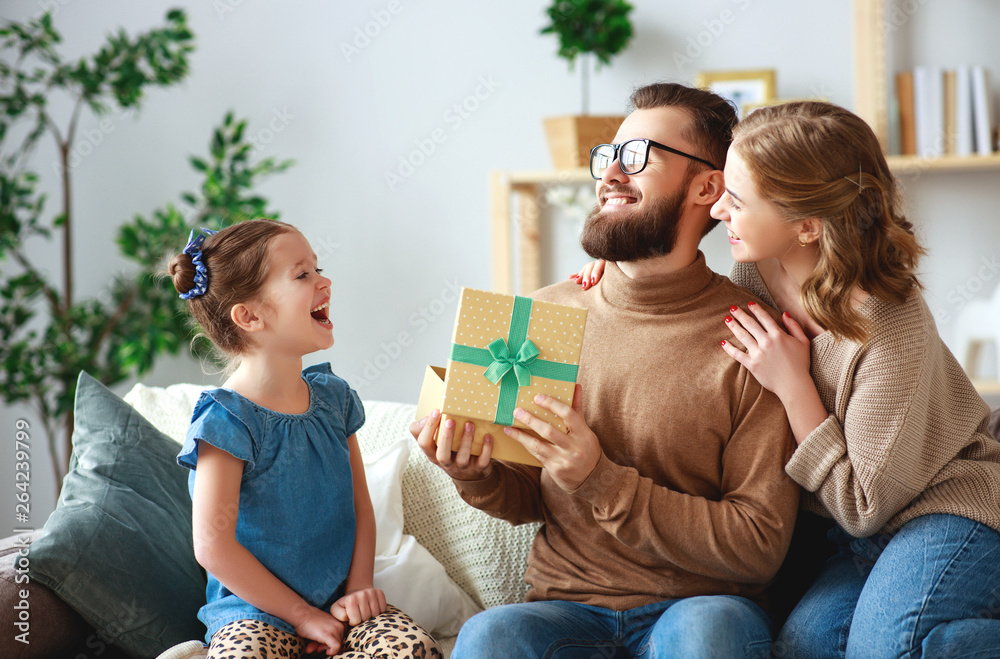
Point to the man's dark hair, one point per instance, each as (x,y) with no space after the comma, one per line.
(712,117)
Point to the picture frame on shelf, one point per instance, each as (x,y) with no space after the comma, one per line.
(743,87)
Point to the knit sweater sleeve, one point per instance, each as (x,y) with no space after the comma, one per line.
(887,437)
(511,492)
(743,535)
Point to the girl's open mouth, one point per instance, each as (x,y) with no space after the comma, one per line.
(321,313)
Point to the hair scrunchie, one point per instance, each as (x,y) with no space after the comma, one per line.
(193,248)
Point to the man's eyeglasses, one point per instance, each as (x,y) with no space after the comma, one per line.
(632,156)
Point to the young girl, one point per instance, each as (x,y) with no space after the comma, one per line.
(282,519)
(892,437)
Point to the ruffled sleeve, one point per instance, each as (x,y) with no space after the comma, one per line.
(222,426)
(354,411)
(337,394)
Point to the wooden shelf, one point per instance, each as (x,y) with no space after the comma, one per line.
(913,164)
(524,187)
(871,93)
(548,177)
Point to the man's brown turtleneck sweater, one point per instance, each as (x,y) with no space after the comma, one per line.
(691,496)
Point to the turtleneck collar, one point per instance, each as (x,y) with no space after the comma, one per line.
(658,293)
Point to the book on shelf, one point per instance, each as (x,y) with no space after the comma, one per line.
(950,110)
(907,120)
(945,112)
(981,111)
(928,96)
(963,111)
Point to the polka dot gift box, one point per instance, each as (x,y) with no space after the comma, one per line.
(505,350)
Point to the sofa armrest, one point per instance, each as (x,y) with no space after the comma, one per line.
(53,628)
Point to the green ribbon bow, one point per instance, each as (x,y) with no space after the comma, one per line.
(503,362)
(513,372)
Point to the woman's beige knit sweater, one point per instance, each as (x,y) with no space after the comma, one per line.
(907,432)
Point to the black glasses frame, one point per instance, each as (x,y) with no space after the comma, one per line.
(645,161)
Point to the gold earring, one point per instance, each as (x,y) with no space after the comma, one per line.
(802,243)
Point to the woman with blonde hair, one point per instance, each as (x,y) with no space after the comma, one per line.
(892,437)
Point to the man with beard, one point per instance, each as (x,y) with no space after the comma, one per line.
(665,505)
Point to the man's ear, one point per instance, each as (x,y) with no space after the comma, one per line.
(707,187)
(246,318)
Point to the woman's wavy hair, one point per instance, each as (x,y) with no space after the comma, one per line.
(817,160)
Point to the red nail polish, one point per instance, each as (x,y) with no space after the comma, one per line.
(733,308)
(729,319)
(751,303)
(722,342)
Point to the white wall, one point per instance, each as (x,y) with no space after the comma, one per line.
(348,117)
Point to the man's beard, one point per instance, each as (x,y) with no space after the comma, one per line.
(634,235)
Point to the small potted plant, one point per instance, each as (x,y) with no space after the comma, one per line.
(591,29)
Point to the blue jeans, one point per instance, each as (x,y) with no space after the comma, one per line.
(931,590)
(710,626)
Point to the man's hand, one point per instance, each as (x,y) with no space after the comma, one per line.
(460,464)
(354,608)
(569,457)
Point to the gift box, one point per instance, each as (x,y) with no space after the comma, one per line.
(505,350)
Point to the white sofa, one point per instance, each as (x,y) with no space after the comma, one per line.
(441,562)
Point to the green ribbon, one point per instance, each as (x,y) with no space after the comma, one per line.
(503,362)
(513,361)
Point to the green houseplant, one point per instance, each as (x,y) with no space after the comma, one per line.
(47,336)
(589,29)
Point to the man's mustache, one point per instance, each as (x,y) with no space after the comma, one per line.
(619,189)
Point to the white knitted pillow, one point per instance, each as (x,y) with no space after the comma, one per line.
(169,409)
(487,557)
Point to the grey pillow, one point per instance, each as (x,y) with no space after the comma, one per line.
(118,546)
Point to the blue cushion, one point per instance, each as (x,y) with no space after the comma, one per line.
(118,546)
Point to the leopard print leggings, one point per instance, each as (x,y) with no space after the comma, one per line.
(390,635)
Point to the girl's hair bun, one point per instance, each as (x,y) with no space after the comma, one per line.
(182,270)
